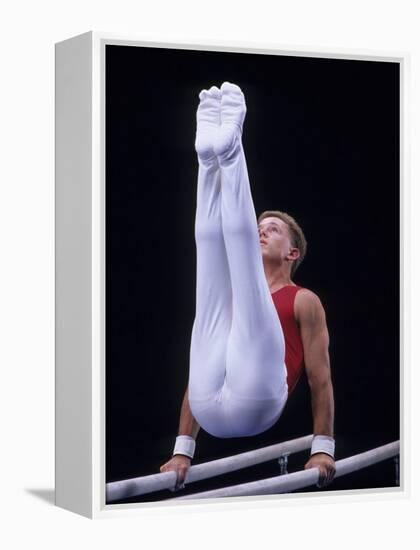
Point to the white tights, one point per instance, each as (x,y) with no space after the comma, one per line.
(237,383)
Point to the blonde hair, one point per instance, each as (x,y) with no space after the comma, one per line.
(297,236)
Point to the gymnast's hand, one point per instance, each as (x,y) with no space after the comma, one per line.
(326,466)
(179,464)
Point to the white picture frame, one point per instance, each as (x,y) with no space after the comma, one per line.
(80,271)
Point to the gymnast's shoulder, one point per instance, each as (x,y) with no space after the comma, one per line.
(308,307)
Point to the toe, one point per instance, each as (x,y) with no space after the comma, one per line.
(215,92)
(228,87)
(203,94)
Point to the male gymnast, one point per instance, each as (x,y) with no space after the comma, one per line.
(255,330)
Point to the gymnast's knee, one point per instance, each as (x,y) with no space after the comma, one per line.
(208,230)
(240,227)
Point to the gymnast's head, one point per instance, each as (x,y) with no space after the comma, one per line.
(282,239)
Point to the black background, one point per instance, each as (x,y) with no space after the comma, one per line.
(321,139)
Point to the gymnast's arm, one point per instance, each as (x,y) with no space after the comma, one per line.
(187,426)
(315,339)
(187,423)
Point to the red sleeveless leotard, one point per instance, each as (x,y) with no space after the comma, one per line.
(284,300)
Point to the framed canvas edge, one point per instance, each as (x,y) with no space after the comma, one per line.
(73,288)
(102,510)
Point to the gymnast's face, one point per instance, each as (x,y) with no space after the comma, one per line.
(275,240)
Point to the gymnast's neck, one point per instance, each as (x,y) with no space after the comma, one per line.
(277,275)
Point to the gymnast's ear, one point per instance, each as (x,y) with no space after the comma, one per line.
(294,254)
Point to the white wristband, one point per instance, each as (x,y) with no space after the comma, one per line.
(323,444)
(184,445)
